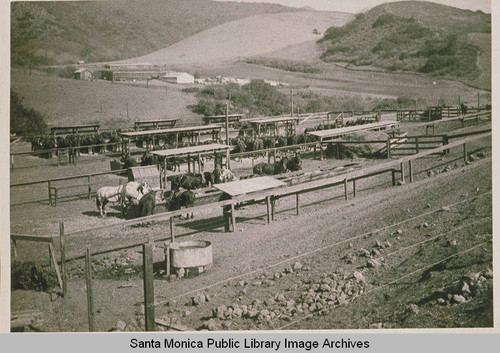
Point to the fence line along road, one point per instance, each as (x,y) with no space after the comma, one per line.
(288,190)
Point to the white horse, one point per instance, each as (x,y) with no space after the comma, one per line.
(132,191)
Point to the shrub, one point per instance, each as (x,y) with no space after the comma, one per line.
(24,121)
(384,20)
(32,276)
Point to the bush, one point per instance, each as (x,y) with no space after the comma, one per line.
(32,276)
(24,121)
(385,19)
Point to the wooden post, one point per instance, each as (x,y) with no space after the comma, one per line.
(50,192)
(410,170)
(12,163)
(297,203)
(167,260)
(346,196)
(189,163)
(268,203)
(149,296)
(274,155)
(90,294)
(199,163)
(402,172)
(353,187)
(89,188)
(388,147)
(63,259)
(233,218)
(55,197)
(172,235)
(14,248)
(465,152)
(393,173)
(273,208)
(417,148)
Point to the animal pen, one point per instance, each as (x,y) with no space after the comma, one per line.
(271,126)
(193,156)
(254,192)
(191,134)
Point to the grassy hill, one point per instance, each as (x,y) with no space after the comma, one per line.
(413,36)
(66,32)
(250,36)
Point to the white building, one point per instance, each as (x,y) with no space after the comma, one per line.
(178,77)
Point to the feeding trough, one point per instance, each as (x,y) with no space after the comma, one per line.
(190,257)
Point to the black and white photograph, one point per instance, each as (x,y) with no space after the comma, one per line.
(278,165)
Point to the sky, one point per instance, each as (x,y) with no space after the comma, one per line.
(363,5)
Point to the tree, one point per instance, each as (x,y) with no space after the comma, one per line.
(24,121)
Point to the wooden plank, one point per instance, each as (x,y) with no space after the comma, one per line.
(56,266)
(241,187)
(90,293)
(149,296)
(63,259)
(35,238)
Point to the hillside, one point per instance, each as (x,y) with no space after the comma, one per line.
(246,37)
(66,32)
(413,36)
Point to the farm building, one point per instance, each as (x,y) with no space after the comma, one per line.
(103,75)
(127,75)
(83,74)
(178,77)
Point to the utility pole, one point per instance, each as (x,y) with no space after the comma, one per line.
(227,133)
(291,105)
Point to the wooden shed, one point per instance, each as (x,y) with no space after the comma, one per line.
(83,74)
(149,174)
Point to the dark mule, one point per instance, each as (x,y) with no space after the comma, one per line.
(294,164)
(147,204)
(182,198)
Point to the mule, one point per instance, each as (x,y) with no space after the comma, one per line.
(147,204)
(118,194)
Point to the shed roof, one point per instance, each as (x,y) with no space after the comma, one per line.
(192,150)
(171,130)
(275,120)
(240,187)
(82,70)
(350,129)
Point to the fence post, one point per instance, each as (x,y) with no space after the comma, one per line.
(89,188)
(12,163)
(346,196)
(268,203)
(353,187)
(172,235)
(167,259)
(410,170)
(233,218)
(50,193)
(297,202)
(388,147)
(416,145)
(63,259)
(149,296)
(465,153)
(273,207)
(393,174)
(90,294)
(402,172)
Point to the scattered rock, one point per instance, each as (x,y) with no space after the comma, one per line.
(210,325)
(373,263)
(458,299)
(441,301)
(297,266)
(377,325)
(121,325)
(359,277)
(413,308)
(445,208)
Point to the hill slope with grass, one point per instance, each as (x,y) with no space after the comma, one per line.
(66,32)
(415,36)
(247,37)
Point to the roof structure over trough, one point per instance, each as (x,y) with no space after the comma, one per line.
(324,134)
(172,130)
(241,187)
(192,150)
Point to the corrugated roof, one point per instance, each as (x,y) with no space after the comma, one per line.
(240,187)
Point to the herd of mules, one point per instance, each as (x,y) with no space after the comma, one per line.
(182,186)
